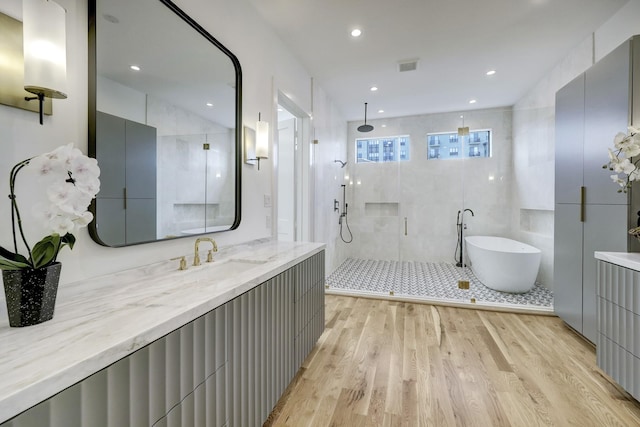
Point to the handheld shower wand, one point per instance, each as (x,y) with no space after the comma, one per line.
(343,215)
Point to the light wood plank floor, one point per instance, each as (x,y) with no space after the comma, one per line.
(384,363)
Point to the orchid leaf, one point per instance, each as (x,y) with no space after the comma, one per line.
(68,239)
(6,264)
(45,251)
(12,256)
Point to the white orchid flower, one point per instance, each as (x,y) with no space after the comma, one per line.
(45,212)
(89,187)
(83,220)
(624,143)
(616,178)
(71,182)
(615,162)
(68,198)
(84,168)
(631,150)
(634,175)
(65,154)
(623,166)
(618,140)
(47,168)
(62,225)
(612,156)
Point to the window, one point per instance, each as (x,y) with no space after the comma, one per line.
(387,149)
(476,144)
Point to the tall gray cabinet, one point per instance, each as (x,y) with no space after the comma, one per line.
(589,213)
(127,199)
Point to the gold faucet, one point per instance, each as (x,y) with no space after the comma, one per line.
(196,257)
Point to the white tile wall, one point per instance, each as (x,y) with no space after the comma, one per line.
(429,193)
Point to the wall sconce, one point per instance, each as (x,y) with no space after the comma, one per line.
(45,50)
(261,144)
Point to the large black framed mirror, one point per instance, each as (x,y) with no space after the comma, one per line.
(164,124)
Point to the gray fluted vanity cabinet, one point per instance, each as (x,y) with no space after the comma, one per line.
(224,369)
(589,213)
(618,346)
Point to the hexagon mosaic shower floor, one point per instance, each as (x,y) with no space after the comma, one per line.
(426,279)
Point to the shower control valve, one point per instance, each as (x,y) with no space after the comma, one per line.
(336,205)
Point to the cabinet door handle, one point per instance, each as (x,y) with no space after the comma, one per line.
(124,195)
(583,198)
(405,226)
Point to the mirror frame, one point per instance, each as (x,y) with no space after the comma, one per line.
(92,69)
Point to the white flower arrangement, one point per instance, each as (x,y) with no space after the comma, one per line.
(626,170)
(71,180)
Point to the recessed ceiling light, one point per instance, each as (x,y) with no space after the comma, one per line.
(135,68)
(280,110)
(209,104)
(384,126)
(356,32)
(374,88)
(491,72)
(473,101)
(380,111)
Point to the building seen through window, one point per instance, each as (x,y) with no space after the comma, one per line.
(387,149)
(449,145)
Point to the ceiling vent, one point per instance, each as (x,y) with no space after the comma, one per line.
(408,65)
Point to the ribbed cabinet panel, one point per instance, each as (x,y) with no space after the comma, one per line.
(178,380)
(227,368)
(618,346)
(261,350)
(309,306)
(273,328)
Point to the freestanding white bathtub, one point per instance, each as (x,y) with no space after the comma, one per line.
(503,264)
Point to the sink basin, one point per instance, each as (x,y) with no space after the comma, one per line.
(233,266)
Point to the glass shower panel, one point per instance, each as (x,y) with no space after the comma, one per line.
(182,203)
(431,194)
(488,196)
(373,199)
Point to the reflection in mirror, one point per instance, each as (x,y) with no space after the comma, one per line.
(164,124)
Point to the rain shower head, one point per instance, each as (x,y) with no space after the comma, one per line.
(365,127)
(342,164)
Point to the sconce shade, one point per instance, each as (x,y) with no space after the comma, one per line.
(45,52)
(262,140)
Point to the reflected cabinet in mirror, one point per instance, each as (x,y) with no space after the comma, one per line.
(164,124)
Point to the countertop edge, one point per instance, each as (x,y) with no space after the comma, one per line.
(630,260)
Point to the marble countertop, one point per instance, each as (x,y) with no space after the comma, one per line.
(629,260)
(101,320)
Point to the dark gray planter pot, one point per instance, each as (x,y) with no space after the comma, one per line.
(31,294)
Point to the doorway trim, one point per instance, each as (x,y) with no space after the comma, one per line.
(304,182)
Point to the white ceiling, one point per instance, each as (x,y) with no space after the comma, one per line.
(456,42)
